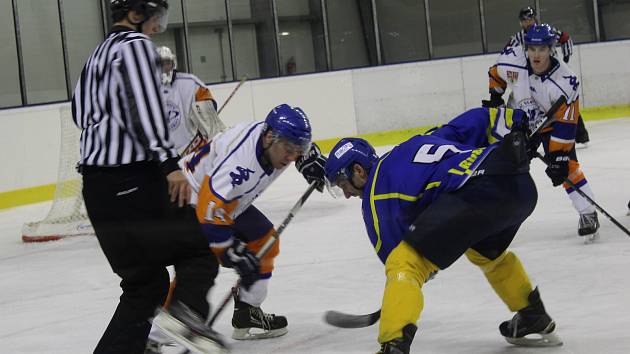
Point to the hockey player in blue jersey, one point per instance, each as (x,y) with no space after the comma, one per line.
(462,188)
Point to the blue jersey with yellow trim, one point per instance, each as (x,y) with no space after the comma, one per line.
(414,173)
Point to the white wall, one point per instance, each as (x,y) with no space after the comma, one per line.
(338,103)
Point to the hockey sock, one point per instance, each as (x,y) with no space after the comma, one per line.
(507,277)
(403,301)
(581,204)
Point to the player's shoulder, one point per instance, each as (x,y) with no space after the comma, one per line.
(189,77)
(240,138)
(513,56)
(563,77)
(128,37)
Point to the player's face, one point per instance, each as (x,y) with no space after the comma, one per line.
(167,66)
(151,26)
(539,57)
(282,152)
(525,24)
(359,178)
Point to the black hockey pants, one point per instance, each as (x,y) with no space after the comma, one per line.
(141,233)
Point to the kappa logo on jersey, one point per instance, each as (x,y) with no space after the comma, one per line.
(507,51)
(174,117)
(572,81)
(512,76)
(241,176)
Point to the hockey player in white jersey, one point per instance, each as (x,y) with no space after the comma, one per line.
(527,18)
(537,80)
(192,111)
(226,176)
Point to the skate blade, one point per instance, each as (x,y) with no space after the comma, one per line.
(182,335)
(581,146)
(536,340)
(588,239)
(249,334)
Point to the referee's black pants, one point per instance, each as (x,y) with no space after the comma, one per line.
(141,233)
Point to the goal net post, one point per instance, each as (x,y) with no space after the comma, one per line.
(67,215)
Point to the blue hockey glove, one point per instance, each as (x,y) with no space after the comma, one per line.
(239,257)
(311,166)
(557,166)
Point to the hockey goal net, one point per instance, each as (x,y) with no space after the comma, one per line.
(67,215)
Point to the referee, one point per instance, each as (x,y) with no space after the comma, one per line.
(130,170)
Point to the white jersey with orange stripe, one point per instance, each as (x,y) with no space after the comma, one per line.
(536,94)
(228,174)
(181,96)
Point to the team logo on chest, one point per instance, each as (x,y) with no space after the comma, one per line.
(174,116)
(512,76)
(242,175)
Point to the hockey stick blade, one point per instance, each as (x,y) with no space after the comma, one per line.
(345,320)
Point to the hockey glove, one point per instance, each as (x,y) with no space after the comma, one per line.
(495,101)
(557,166)
(239,257)
(311,166)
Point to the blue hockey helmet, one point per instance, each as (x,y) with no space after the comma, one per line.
(527,13)
(344,154)
(540,35)
(291,124)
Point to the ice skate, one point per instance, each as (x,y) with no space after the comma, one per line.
(628,212)
(188,329)
(400,345)
(252,322)
(531,326)
(589,227)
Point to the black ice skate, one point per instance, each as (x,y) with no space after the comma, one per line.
(188,329)
(400,345)
(531,326)
(251,322)
(589,227)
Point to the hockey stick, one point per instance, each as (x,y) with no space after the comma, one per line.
(549,116)
(198,139)
(232,94)
(265,248)
(346,320)
(590,200)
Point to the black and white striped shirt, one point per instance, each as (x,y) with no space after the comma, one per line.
(118,104)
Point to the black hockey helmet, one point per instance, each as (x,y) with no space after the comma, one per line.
(148,8)
(527,13)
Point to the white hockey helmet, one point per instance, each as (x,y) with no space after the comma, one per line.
(166,54)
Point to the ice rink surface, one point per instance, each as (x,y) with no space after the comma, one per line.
(58,297)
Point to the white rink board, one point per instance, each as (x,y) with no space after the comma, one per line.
(340,103)
(58,297)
